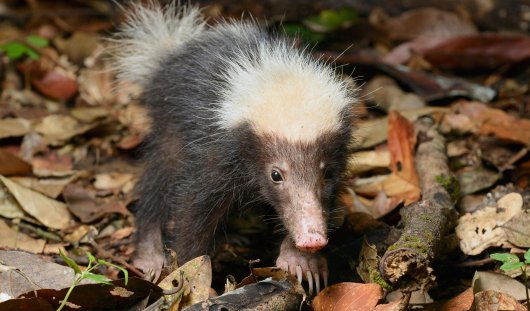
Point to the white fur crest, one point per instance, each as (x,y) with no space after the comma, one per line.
(149,34)
(283,92)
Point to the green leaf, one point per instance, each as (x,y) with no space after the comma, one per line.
(69,262)
(527,256)
(505,257)
(507,266)
(37,41)
(97,278)
(14,50)
(91,258)
(300,31)
(330,20)
(32,54)
(125,272)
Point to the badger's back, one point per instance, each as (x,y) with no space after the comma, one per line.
(222,77)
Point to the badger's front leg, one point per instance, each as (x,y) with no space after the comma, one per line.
(308,266)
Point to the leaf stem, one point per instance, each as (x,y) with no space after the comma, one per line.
(70,290)
(525,279)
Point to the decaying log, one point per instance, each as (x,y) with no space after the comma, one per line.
(407,263)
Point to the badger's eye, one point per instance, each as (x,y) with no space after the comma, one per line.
(276,177)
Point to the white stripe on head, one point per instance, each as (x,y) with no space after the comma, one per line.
(283,92)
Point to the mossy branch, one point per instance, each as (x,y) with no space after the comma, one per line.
(407,264)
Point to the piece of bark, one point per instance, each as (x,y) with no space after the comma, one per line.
(407,264)
(264,295)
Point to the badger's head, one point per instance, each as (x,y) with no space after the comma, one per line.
(294,113)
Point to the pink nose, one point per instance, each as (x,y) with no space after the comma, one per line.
(311,242)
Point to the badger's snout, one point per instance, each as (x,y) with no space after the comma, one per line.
(308,225)
(311,242)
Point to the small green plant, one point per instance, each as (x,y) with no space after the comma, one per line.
(512,262)
(315,28)
(15,50)
(87,273)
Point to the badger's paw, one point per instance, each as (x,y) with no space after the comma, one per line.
(311,267)
(150,264)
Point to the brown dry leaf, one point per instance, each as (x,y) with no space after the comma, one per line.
(130,141)
(9,207)
(122,233)
(49,212)
(32,144)
(462,302)
(11,164)
(51,187)
(364,161)
(96,86)
(10,237)
(197,281)
(42,273)
(386,94)
(89,114)
(392,185)
(136,118)
(14,127)
(348,297)
(372,132)
(425,28)
(58,128)
(83,204)
(79,233)
(78,46)
(518,231)
(368,258)
(112,181)
(494,301)
(475,179)
(53,164)
(486,280)
(428,22)
(480,119)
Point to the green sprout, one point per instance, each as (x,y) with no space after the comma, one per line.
(315,28)
(15,50)
(512,262)
(87,273)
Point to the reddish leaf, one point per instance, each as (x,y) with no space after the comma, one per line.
(52,164)
(401,142)
(11,164)
(480,51)
(348,296)
(480,119)
(56,85)
(462,302)
(428,22)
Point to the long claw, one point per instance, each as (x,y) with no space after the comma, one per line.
(317,282)
(310,282)
(325,277)
(299,274)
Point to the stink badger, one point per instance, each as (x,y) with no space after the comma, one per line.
(238,116)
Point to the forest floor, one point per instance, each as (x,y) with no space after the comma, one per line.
(437,185)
